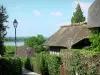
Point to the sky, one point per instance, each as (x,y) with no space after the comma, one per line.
(41,16)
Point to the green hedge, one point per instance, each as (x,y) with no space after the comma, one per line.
(53,64)
(28,65)
(23,60)
(9,51)
(82,62)
(44,64)
(10,66)
(95,39)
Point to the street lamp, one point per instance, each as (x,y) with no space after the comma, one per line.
(15,23)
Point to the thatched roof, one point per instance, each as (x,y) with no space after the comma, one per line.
(24,51)
(68,35)
(94,14)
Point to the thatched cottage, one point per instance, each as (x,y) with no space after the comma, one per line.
(69,36)
(94,15)
(76,36)
(25,51)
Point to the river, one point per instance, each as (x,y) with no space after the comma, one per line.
(13,43)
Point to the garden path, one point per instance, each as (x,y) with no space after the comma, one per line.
(27,72)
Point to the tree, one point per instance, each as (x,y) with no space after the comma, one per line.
(78,15)
(3,19)
(35,42)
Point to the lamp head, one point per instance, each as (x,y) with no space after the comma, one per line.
(15,23)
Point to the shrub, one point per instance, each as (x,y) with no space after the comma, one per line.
(23,60)
(53,64)
(47,64)
(9,50)
(77,64)
(28,65)
(83,62)
(95,39)
(44,65)
(11,66)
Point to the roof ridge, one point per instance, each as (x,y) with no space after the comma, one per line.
(75,24)
(72,25)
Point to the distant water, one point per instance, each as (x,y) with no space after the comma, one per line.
(13,43)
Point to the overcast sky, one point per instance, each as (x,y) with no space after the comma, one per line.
(41,16)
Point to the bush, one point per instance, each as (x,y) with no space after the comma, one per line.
(44,64)
(23,60)
(9,50)
(11,66)
(53,64)
(95,39)
(28,65)
(83,62)
(77,64)
(48,64)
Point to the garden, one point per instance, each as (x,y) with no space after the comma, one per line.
(84,61)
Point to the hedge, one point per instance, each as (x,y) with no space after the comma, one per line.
(82,62)
(44,64)
(9,51)
(10,65)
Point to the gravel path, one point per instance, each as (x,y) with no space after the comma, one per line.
(27,72)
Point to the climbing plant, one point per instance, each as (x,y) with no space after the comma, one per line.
(95,39)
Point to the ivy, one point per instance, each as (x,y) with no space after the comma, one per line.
(82,64)
(95,39)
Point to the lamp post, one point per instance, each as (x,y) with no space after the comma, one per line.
(15,23)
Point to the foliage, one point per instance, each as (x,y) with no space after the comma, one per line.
(78,15)
(11,66)
(9,50)
(45,64)
(77,64)
(28,65)
(95,39)
(35,43)
(23,60)
(48,64)
(53,65)
(85,52)
(82,63)
(3,19)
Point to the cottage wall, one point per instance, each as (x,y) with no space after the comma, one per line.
(55,50)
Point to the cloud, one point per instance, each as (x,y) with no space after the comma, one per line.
(56,13)
(36,12)
(84,5)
